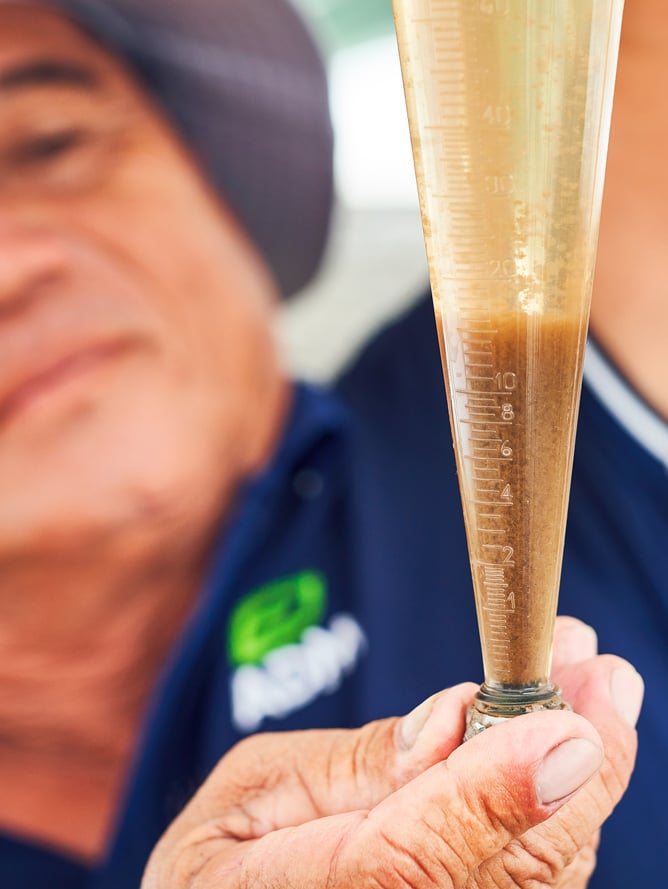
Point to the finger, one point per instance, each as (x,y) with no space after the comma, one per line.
(544,872)
(437,829)
(272,781)
(574,642)
(608,692)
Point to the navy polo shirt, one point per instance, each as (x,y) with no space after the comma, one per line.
(341,592)
(416,600)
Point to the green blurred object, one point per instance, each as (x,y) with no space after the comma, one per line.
(275,615)
(342,23)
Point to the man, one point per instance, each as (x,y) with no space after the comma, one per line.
(179,536)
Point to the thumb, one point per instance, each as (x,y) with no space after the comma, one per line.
(440,827)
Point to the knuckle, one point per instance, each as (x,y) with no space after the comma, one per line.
(522,868)
(540,863)
(359,757)
(359,762)
(444,843)
(453,839)
(372,755)
(243,822)
(401,867)
(377,855)
(502,815)
(536,863)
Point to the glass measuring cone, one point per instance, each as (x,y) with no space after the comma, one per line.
(509,104)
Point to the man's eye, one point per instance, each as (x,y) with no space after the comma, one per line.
(47,147)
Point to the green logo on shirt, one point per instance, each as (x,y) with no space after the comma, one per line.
(274,616)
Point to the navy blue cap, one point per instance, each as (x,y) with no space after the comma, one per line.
(245,85)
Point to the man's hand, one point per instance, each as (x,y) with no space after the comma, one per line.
(401,804)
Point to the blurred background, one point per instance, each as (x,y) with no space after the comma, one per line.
(375,266)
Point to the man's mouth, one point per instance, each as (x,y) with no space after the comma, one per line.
(55,375)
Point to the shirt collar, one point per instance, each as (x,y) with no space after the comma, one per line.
(633,414)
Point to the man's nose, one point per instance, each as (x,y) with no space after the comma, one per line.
(28,262)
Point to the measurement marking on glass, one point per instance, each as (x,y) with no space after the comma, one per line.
(488,395)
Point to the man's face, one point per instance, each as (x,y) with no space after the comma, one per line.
(135,351)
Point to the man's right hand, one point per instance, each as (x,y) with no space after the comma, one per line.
(400,804)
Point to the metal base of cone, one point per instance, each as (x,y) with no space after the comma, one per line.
(496,705)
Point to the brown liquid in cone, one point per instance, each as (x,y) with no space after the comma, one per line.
(514,384)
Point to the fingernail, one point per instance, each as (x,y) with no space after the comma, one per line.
(566,768)
(627,690)
(411,725)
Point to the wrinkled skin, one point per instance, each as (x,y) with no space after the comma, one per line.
(356,808)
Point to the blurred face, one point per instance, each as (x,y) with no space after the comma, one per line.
(137,370)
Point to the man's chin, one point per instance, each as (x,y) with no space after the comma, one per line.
(106,510)
(87,526)
(125,471)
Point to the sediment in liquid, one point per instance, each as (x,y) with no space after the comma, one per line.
(514,419)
